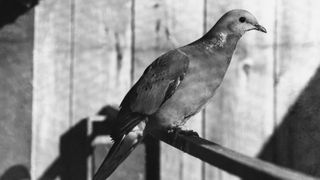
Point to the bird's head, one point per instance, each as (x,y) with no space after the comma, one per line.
(239,21)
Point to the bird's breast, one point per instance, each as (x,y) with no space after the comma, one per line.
(209,73)
(203,77)
(198,86)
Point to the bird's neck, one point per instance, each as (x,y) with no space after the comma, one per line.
(223,41)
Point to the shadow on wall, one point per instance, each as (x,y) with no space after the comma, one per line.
(76,147)
(296,142)
(10,10)
(17,172)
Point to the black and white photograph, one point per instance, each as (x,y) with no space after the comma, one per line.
(159,89)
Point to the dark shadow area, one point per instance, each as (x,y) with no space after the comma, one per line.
(16,90)
(74,150)
(296,142)
(76,147)
(152,165)
(10,10)
(17,172)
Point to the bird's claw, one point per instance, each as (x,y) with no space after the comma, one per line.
(179,130)
(189,133)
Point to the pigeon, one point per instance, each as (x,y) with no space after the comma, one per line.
(176,86)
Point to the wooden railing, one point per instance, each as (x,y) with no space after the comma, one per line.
(229,160)
(221,157)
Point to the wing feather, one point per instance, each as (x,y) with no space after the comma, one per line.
(157,84)
(159,81)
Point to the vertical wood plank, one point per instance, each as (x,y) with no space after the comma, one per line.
(160,26)
(102,65)
(51,81)
(240,116)
(297,88)
(102,55)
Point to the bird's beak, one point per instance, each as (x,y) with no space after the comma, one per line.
(260,28)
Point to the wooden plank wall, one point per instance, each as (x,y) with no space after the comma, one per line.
(87,55)
(82,63)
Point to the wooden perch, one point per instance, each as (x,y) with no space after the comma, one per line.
(228,160)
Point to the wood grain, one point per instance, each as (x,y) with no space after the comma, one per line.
(82,63)
(102,69)
(102,55)
(51,82)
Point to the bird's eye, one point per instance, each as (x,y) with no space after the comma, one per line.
(242,19)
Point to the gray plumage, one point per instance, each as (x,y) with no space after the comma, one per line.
(176,86)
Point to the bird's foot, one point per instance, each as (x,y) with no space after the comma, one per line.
(186,132)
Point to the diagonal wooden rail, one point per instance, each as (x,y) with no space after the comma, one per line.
(228,160)
(223,158)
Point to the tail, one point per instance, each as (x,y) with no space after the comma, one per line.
(120,150)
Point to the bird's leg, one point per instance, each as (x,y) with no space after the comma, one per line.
(183,131)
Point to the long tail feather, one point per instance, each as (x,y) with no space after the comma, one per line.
(120,151)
